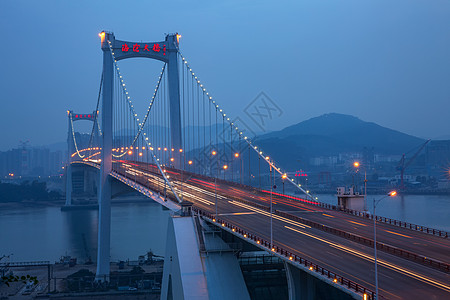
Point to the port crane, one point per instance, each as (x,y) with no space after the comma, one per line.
(403,164)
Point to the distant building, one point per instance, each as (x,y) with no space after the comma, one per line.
(29,161)
(387,158)
(323,161)
(438,159)
(368,157)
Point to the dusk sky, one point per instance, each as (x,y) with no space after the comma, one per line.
(384,61)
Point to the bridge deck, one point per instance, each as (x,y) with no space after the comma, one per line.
(398,278)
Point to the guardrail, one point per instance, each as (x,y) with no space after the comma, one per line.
(437,232)
(336,278)
(369,242)
(365,215)
(357,238)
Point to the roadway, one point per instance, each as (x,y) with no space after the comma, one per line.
(398,278)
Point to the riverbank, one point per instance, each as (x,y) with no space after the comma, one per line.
(64,282)
(31,203)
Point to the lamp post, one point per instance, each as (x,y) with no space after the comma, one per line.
(375,203)
(236,155)
(272,186)
(214,152)
(165,186)
(357,165)
(284,176)
(225,167)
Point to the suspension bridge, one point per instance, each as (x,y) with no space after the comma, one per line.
(186,153)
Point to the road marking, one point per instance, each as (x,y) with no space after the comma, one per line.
(386,276)
(380,261)
(357,223)
(298,211)
(406,236)
(262,212)
(334,254)
(238,213)
(328,215)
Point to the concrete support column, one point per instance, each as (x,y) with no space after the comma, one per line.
(69,158)
(104,224)
(300,284)
(68,184)
(174,100)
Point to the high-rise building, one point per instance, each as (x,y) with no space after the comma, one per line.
(438,158)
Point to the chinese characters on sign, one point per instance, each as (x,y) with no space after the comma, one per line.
(301,173)
(136,48)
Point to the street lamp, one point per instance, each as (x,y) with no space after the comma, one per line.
(375,203)
(225,167)
(357,165)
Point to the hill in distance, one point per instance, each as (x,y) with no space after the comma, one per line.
(331,134)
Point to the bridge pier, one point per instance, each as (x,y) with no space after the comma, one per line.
(300,284)
(70,150)
(174,99)
(304,286)
(68,184)
(199,264)
(104,198)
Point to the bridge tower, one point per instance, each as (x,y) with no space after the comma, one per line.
(72,149)
(115,50)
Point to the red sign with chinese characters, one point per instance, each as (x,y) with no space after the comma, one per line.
(137,48)
(88,116)
(301,173)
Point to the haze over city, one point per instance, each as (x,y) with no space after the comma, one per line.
(384,62)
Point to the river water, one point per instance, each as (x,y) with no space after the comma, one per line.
(432,211)
(46,233)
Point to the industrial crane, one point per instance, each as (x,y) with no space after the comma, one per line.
(403,164)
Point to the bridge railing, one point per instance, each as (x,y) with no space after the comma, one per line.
(437,232)
(354,237)
(336,278)
(369,242)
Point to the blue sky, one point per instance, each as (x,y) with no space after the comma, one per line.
(383,61)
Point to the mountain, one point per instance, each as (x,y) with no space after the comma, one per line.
(442,137)
(333,133)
